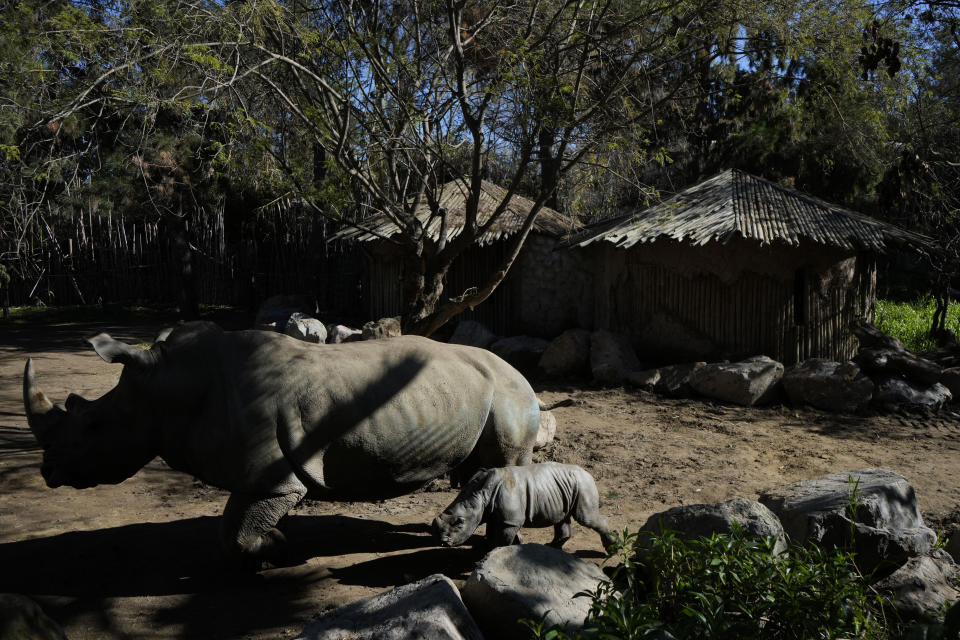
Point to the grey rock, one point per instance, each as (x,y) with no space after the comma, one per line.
(338,333)
(745,382)
(276,310)
(567,354)
(430,608)
(881,360)
(874,510)
(529,581)
(673,381)
(547,431)
(22,619)
(303,327)
(382,328)
(828,385)
(611,356)
(473,334)
(646,380)
(950,378)
(701,520)
(893,393)
(921,587)
(523,352)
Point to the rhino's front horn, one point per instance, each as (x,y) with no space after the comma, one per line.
(35,403)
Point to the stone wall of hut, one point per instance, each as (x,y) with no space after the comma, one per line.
(679,302)
(553,290)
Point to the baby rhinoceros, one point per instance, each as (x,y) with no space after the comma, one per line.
(536,495)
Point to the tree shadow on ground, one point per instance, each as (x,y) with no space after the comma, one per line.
(179,565)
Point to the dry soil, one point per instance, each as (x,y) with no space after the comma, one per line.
(141,559)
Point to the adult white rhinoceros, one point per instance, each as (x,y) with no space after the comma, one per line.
(274,420)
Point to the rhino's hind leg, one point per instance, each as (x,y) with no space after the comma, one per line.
(248,528)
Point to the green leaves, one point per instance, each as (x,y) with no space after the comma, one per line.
(729,587)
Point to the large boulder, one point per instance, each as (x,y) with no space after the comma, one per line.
(895,393)
(828,385)
(338,333)
(921,587)
(702,520)
(878,360)
(745,382)
(612,356)
(430,608)
(568,354)
(303,327)
(523,352)
(673,381)
(382,328)
(473,334)
(22,619)
(874,511)
(529,581)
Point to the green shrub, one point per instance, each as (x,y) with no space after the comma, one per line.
(910,321)
(727,586)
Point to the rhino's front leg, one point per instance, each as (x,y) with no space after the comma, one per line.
(562,531)
(248,528)
(502,535)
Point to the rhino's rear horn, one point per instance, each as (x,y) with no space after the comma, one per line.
(115,351)
(35,403)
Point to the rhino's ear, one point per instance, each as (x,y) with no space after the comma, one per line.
(115,351)
(163,335)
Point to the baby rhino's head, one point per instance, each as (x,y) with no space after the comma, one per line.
(457,522)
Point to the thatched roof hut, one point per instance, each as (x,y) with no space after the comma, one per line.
(738,266)
(513,307)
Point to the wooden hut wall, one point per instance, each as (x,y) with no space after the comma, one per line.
(472,269)
(681,303)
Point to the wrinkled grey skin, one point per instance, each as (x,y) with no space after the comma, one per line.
(538,495)
(274,420)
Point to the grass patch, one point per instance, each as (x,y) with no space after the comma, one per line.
(910,322)
(127,314)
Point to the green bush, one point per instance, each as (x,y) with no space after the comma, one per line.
(910,321)
(727,586)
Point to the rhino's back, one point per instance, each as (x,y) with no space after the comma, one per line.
(378,418)
(546,491)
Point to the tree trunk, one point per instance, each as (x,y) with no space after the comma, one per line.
(422,289)
(185,263)
(549,166)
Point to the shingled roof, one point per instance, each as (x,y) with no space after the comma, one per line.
(734,203)
(453,198)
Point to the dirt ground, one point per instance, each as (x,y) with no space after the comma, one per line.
(141,559)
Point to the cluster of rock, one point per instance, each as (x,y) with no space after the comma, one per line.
(884,374)
(295,316)
(872,511)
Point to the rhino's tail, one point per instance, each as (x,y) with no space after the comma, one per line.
(566,402)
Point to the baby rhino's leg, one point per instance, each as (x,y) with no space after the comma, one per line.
(502,535)
(562,531)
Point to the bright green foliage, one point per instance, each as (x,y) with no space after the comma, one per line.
(728,586)
(910,322)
